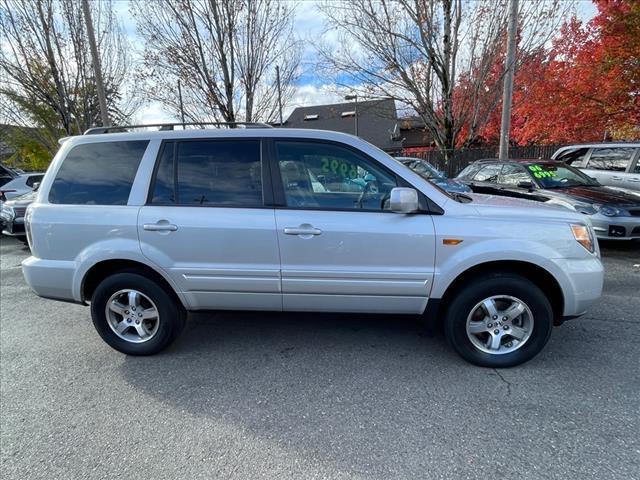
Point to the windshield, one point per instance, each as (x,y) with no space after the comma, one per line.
(427,171)
(559,176)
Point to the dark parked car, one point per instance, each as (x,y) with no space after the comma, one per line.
(431,173)
(614,214)
(6,174)
(12,215)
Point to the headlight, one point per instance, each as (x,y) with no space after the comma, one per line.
(608,211)
(7,213)
(582,234)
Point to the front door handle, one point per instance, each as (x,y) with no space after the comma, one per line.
(161,226)
(302,230)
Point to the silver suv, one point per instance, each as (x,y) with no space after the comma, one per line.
(612,164)
(148,225)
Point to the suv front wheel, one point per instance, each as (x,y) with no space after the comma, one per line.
(135,315)
(500,320)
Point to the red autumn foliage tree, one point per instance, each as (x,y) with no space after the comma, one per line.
(586,87)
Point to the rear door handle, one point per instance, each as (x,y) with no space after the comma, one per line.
(161,226)
(302,230)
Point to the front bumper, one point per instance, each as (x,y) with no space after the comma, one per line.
(581,284)
(615,228)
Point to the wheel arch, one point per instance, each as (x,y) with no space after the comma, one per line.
(101,270)
(541,277)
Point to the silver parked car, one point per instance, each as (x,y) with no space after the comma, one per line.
(146,226)
(12,214)
(612,164)
(24,183)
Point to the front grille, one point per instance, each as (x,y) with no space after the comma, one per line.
(635,212)
(19,211)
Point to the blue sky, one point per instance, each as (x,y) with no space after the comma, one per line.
(310,28)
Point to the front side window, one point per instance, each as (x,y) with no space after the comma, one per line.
(98,173)
(327,176)
(513,175)
(616,159)
(488,174)
(223,173)
(469,171)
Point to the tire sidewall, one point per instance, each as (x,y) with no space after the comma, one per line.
(482,288)
(171,318)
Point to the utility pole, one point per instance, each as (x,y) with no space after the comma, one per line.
(181,105)
(279,92)
(97,70)
(507,92)
(355,110)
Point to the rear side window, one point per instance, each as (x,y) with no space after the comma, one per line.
(513,175)
(615,159)
(209,173)
(98,173)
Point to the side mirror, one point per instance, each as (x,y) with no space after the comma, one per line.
(36,186)
(526,184)
(404,200)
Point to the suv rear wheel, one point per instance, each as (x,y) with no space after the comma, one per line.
(500,320)
(135,315)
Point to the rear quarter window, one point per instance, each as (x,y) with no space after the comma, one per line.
(98,173)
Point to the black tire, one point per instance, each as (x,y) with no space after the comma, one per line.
(480,288)
(171,314)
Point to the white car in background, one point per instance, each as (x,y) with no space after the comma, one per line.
(20,185)
(614,165)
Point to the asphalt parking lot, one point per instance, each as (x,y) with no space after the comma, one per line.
(315,396)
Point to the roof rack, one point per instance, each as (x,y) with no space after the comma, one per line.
(171,126)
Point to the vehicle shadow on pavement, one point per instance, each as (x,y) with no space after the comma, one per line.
(355,390)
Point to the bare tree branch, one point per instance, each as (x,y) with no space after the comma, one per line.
(47,77)
(438,57)
(224,53)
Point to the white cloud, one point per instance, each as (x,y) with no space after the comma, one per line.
(153,113)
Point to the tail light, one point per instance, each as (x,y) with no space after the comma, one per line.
(27,227)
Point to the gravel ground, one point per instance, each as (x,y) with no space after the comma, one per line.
(246,395)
